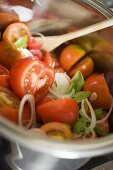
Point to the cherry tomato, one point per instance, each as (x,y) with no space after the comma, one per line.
(30,75)
(86,66)
(7,19)
(60,110)
(57,130)
(15,31)
(97,83)
(9,54)
(70,56)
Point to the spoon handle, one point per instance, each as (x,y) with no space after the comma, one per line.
(53,42)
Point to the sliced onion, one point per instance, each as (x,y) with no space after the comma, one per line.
(83,110)
(93,117)
(76,136)
(30,99)
(61,83)
(43,44)
(57,95)
(108,114)
(93,134)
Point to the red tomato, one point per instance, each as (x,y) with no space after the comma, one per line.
(70,55)
(15,31)
(9,104)
(30,75)
(86,66)
(97,83)
(60,110)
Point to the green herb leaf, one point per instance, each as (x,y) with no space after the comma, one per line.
(98,113)
(100,131)
(81,125)
(81,95)
(22,42)
(77,82)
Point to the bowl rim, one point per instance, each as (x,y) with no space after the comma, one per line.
(64,149)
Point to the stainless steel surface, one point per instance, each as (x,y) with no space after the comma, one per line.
(70,149)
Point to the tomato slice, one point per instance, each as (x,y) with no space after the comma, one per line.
(86,66)
(57,130)
(70,55)
(15,31)
(30,75)
(60,110)
(97,83)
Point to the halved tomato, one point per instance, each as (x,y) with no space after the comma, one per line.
(30,75)
(15,31)
(97,83)
(60,110)
(86,66)
(70,55)
(9,105)
(57,130)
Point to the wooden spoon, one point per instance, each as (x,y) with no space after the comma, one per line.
(52,42)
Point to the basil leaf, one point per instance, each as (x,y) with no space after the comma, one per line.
(98,113)
(81,125)
(77,82)
(100,131)
(81,95)
(22,42)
